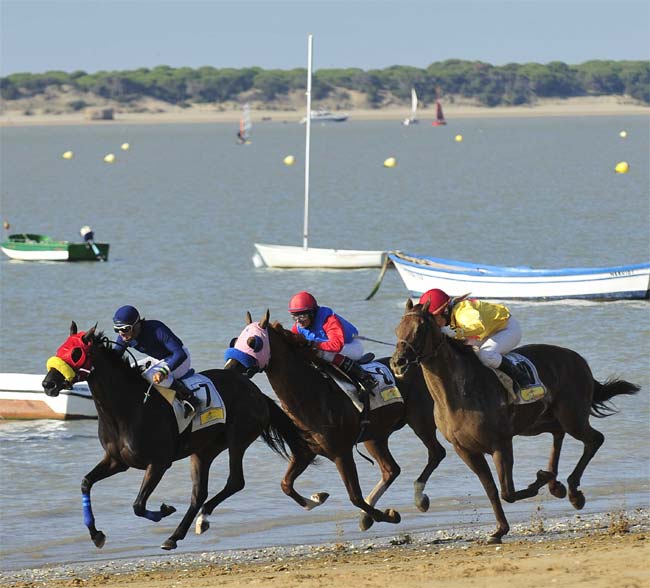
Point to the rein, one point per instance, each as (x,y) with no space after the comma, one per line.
(419,357)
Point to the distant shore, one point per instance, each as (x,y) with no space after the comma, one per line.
(584,106)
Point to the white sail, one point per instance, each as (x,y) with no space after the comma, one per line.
(414,103)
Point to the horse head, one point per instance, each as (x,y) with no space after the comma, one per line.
(418,338)
(250,352)
(72,362)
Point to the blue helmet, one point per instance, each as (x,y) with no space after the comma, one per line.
(126,315)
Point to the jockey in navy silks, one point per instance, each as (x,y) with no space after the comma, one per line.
(170,359)
(335,338)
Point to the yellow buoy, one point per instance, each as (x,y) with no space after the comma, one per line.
(125,147)
(390,162)
(458,138)
(622,134)
(289,160)
(622,167)
(109,158)
(68,155)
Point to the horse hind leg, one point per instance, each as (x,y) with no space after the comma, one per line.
(297,465)
(592,440)
(200,469)
(555,487)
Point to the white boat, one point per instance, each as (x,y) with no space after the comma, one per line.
(421,273)
(287,256)
(325,116)
(22,397)
(412,120)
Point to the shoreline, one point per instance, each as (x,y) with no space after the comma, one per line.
(531,550)
(585,106)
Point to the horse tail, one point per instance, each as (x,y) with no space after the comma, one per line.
(282,431)
(603,392)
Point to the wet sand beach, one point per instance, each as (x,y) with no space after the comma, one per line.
(610,550)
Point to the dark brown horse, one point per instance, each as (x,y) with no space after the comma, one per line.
(472,413)
(331,424)
(144,435)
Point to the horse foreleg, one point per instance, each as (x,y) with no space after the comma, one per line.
(200,469)
(104,469)
(478,464)
(389,471)
(297,465)
(234,484)
(555,487)
(348,472)
(592,440)
(504,461)
(426,431)
(152,476)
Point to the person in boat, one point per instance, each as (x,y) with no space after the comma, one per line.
(170,359)
(241,139)
(488,327)
(335,339)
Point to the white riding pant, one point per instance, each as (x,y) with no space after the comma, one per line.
(491,350)
(353,350)
(178,373)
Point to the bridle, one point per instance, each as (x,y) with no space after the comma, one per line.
(420,356)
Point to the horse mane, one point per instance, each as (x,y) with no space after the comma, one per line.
(297,342)
(455,344)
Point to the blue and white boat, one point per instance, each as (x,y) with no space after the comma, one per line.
(421,273)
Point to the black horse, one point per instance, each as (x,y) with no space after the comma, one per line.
(139,430)
(472,413)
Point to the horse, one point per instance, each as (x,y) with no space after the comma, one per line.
(472,413)
(331,425)
(139,430)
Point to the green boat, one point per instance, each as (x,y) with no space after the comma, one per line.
(32,247)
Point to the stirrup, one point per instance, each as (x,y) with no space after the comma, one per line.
(188,408)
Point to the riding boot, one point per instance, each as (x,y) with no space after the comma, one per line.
(186,396)
(365,384)
(520,377)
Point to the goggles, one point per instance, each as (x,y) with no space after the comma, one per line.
(297,316)
(123,329)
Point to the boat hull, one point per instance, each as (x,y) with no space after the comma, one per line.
(286,256)
(420,274)
(52,251)
(22,397)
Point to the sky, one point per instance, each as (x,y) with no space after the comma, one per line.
(95,35)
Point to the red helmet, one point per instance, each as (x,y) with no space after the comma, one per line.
(437,300)
(302,301)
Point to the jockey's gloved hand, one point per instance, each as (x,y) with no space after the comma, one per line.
(447,330)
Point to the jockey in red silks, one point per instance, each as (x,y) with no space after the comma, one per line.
(335,338)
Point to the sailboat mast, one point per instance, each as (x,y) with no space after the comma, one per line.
(305,230)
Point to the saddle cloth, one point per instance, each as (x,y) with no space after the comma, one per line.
(535,391)
(212,410)
(384,393)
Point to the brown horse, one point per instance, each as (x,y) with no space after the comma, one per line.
(472,413)
(139,431)
(331,424)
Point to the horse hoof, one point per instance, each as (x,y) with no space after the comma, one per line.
(423,503)
(168,545)
(99,539)
(577,500)
(557,489)
(201,526)
(392,516)
(494,540)
(320,497)
(166,510)
(365,521)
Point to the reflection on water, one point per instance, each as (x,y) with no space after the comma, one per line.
(182,209)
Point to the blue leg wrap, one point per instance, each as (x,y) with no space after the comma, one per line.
(154,516)
(89,519)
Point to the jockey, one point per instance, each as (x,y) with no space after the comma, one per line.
(489,328)
(170,359)
(335,339)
